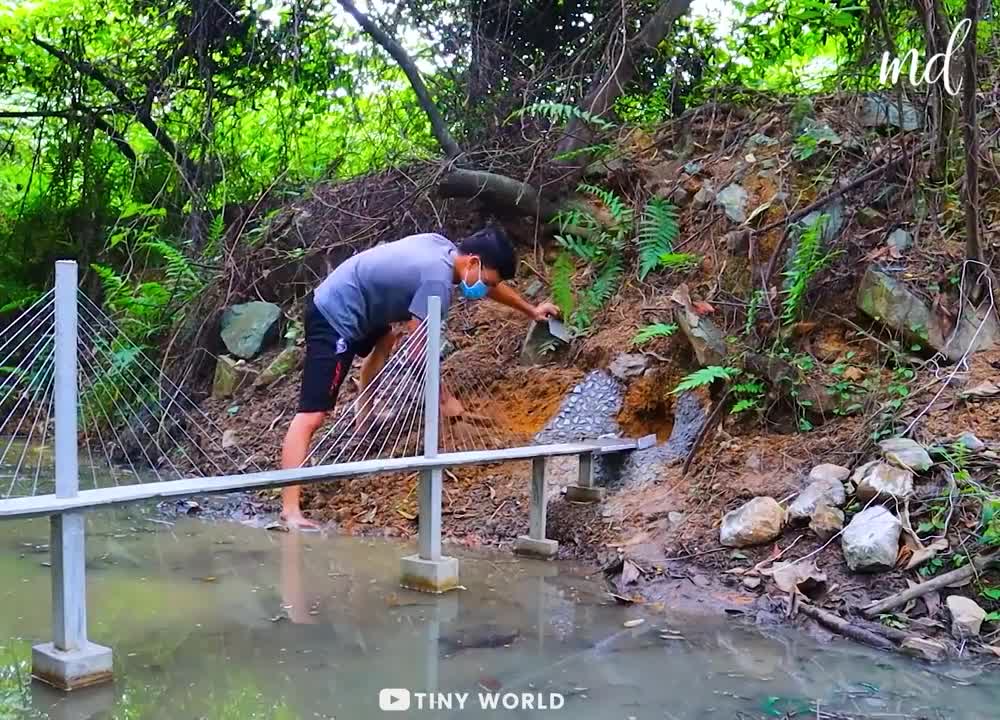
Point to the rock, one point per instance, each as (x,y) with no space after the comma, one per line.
(819,492)
(707,340)
(826,521)
(737,242)
(675,518)
(230,376)
(680,197)
(733,199)
(762,140)
(883,298)
(924,649)
(533,288)
(900,240)
(906,453)
(628,365)
(538,343)
(829,471)
(882,481)
(285,362)
(881,111)
(248,327)
(758,521)
(966,617)
(692,168)
(834,212)
(751,583)
(871,540)
(703,198)
(971,443)
(228,439)
(870,218)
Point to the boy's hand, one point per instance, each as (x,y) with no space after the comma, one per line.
(545,310)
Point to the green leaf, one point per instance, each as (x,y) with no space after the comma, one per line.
(704,376)
(650,332)
(657,231)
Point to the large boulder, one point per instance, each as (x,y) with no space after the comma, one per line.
(756,522)
(966,617)
(871,540)
(883,481)
(821,492)
(906,453)
(249,327)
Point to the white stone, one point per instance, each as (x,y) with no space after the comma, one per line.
(966,616)
(871,540)
(882,481)
(971,442)
(906,453)
(758,521)
(829,492)
(829,471)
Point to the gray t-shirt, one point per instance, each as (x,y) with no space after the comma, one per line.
(387,284)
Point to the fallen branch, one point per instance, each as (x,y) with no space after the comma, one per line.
(978,564)
(841,626)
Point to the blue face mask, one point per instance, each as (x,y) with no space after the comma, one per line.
(477,290)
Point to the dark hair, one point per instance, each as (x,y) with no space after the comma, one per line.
(493,248)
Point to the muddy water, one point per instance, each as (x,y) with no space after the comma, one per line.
(223,621)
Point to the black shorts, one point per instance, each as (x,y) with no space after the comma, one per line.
(328,360)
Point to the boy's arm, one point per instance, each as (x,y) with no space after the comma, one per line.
(506,295)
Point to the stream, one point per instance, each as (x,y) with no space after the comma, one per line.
(228,621)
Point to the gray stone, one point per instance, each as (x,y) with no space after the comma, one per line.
(900,239)
(538,343)
(826,521)
(762,140)
(628,365)
(692,168)
(966,617)
(882,481)
(533,288)
(820,492)
(971,443)
(733,199)
(769,164)
(703,198)
(834,212)
(285,362)
(230,376)
(829,471)
(756,522)
(248,327)
(881,111)
(680,197)
(871,540)
(885,299)
(924,648)
(906,453)
(737,242)
(675,518)
(707,340)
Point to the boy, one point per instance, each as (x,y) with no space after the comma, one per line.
(352,311)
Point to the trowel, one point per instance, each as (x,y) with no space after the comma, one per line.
(559,331)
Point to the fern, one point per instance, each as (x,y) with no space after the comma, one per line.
(703,377)
(651,332)
(216,230)
(562,284)
(756,300)
(179,269)
(621,212)
(808,260)
(560,113)
(599,292)
(585,249)
(679,261)
(657,232)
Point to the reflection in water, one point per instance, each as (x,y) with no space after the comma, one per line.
(222,621)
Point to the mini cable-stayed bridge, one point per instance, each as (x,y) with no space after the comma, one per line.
(89,421)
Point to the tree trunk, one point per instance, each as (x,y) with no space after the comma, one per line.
(619,72)
(973,248)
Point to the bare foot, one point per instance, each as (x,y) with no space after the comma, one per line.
(299,521)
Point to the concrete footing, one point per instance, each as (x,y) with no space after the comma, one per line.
(432,576)
(71,669)
(533,547)
(579,493)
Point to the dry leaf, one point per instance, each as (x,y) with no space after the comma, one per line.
(703,308)
(407,515)
(794,576)
(923,554)
(984,389)
(854,374)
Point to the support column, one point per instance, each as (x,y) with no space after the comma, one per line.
(428,570)
(70,661)
(535,543)
(585,489)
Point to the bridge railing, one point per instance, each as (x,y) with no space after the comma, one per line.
(50,362)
